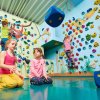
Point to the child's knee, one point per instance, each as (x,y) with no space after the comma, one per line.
(11,84)
(20,83)
(1,86)
(36,81)
(8,82)
(18,80)
(49,80)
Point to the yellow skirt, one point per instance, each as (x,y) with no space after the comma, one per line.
(10,81)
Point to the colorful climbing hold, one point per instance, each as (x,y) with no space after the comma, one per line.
(79,49)
(91,56)
(92,40)
(94,50)
(77,54)
(84,48)
(93,35)
(96,44)
(90,46)
(80,44)
(88,37)
(85,57)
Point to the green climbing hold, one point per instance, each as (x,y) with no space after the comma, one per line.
(88,37)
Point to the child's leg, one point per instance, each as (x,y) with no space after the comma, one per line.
(18,80)
(7,82)
(69,64)
(47,81)
(68,53)
(2,45)
(3,42)
(36,81)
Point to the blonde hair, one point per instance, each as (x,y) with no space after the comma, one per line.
(8,42)
(4,22)
(39,50)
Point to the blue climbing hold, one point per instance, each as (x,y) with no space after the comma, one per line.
(91,41)
(89,10)
(90,46)
(79,49)
(82,39)
(70,32)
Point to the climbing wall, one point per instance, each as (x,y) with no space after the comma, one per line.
(83,22)
(26,43)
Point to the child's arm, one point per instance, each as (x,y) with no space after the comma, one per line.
(64,45)
(26,25)
(71,37)
(11,30)
(2,65)
(33,70)
(19,74)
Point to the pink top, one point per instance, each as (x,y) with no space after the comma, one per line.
(9,60)
(67,44)
(37,66)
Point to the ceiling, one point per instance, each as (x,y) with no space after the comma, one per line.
(32,10)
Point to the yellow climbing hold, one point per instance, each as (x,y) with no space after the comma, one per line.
(93,35)
(35,41)
(97,2)
(97,17)
(25,33)
(72,23)
(96,44)
(27,47)
(66,23)
(99,11)
(95,9)
(62,53)
(98,54)
(92,26)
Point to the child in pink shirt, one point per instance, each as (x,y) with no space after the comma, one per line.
(38,74)
(67,46)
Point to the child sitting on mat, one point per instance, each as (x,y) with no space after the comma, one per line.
(9,75)
(38,74)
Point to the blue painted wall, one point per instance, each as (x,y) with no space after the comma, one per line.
(88,56)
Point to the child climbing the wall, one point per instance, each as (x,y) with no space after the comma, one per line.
(38,74)
(17,33)
(67,46)
(9,75)
(10,32)
(5,33)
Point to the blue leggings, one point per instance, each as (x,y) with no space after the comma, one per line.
(3,42)
(40,80)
